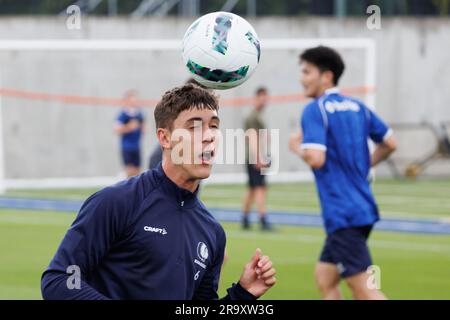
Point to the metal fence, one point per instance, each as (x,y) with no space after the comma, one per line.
(139,8)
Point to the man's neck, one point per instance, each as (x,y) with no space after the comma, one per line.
(325,90)
(179,177)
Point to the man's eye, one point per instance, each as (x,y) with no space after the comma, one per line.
(214,126)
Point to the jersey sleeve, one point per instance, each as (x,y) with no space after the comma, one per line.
(313,128)
(378,130)
(122,118)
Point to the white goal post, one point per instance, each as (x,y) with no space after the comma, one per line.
(368,45)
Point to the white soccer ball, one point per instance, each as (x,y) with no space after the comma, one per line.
(221,50)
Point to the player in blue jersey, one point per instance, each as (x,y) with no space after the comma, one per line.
(333,141)
(130,125)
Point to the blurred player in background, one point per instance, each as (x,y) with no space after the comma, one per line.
(333,141)
(130,126)
(257,190)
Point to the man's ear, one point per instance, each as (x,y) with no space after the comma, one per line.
(328,77)
(163,136)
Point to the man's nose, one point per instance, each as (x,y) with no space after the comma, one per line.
(208,135)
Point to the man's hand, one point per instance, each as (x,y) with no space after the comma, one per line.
(260,165)
(295,140)
(258,275)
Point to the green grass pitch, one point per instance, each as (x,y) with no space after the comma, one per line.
(413,266)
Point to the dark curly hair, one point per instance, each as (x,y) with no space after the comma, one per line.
(326,59)
(180,99)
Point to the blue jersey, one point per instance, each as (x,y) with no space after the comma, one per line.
(144,238)
(341,126)
(131,140)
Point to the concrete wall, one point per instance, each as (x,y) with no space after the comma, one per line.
(45,139)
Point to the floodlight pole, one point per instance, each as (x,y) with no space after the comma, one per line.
(189,8)
(340,8)
(251,8)
(112,7)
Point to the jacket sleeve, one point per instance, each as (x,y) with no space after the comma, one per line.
(237,292)
(85,244)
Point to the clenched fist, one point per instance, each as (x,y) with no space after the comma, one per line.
(258,275)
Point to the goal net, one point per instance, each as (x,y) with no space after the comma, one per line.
(59,100)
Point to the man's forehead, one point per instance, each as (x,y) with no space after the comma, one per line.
(305,64)
(308,65)
(205,114)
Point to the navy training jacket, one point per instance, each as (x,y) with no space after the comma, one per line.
(143,238)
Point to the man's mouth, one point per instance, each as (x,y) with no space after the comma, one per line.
(207,156)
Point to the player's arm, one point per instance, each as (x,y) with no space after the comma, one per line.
(315,158)
(120,128)
(253,145)
(383,150)
(383,136)
(124,125)
(123,128)
(81,250)
(309,143)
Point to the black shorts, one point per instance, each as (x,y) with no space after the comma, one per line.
(255,178)
(347,248)
(131,158)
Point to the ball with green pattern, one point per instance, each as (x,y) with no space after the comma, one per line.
(221,50)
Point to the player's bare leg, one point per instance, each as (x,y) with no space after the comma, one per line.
(248,201)
(327,280)
(246,207)
(260,200)
(360,289)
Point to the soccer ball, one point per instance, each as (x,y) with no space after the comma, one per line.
(221,50)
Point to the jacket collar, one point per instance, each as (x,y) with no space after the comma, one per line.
(183,197)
